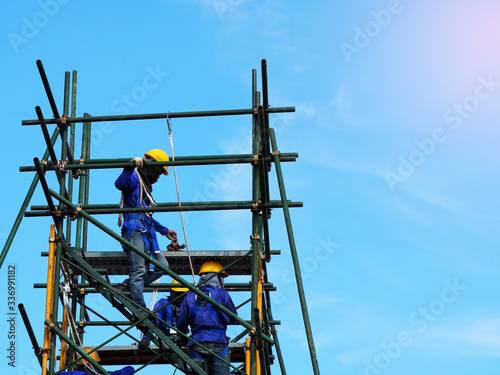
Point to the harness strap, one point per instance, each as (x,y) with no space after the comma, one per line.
(143,189)
(215,312)
(120,215)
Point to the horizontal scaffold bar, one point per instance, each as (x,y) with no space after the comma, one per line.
(154,262)
(167,287)
(152,116)
(116,262)
(132,355)
(166,207)
(127,322)
(179,161)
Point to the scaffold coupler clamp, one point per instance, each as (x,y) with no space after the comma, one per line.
(64,122)
(76,213)
(256,206)
(254,237)
(79,172)
(61,164)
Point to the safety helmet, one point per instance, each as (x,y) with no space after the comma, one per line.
(212,266)
(179,289)
(158,155)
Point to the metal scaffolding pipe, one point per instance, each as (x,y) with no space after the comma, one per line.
(45,186)
(273,330)
(49,296)
(70,147)
(86,194)
(265,105)
(53,327)
(259,345)
(224,204)
(55,296)
(194,207)
(31,333)
(48,91)
(166,287)
(109,293)
(295,258)
(152,116)
(180,161)
(153,261)
(46,136)
(248,157)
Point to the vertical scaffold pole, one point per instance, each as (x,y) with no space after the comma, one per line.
(49,297)
(295,258)
(71,145)
(83,197)
(256,224)
(57,265)
(74,301)
(88,142)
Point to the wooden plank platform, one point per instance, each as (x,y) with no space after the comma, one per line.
(116,263)
(124,355)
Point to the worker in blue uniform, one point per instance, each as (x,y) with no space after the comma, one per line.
(208,324)
(167,309)
(140,228)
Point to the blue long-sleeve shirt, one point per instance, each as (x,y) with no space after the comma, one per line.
(128,183)
(207,323)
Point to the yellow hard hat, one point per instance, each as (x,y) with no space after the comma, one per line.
(158,155)
(212,266)
(180,289)
(93,355)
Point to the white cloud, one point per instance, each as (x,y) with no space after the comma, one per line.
(480,338)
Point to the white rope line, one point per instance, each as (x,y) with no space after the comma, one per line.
(171,136)
(153,298)
(65,289)
(155,291)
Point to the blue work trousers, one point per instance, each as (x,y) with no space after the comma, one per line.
(211,364)
(139,275)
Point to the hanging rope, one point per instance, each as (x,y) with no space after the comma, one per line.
(65,290)
(153,298)
(171,136)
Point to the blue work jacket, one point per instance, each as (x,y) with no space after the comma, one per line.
(128,183)
(207,323)
(167,314)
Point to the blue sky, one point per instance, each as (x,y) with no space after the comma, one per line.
(395,126)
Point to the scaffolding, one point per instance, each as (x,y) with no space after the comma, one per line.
(87,272)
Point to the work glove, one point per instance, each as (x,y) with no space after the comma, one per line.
(138,161)
(172,236)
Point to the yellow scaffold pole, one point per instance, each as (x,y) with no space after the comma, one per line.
(49,298)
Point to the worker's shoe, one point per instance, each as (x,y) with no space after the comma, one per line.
(144,343)
(121,288)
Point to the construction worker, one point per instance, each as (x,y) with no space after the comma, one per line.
(170,308)
(208,324)
(140,229)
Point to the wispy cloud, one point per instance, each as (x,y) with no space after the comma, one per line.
(479,338)
(326,157)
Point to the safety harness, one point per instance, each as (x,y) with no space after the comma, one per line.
(203,305)
(139,217)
